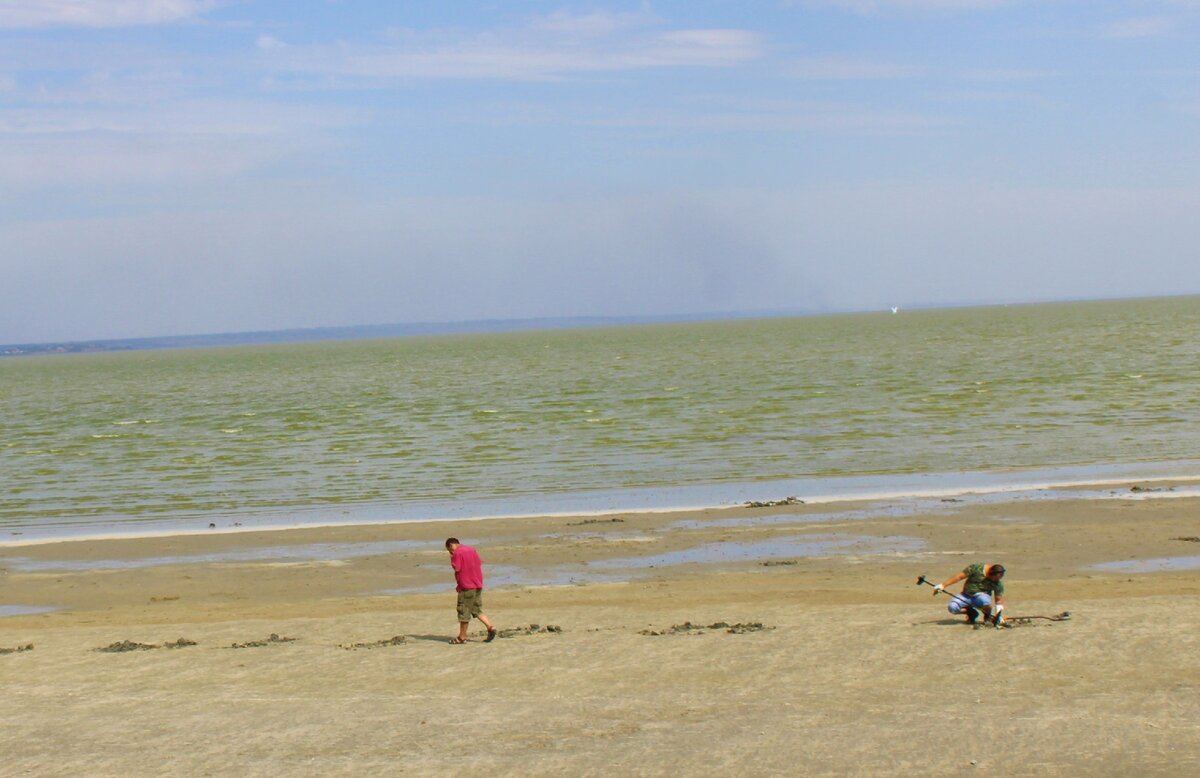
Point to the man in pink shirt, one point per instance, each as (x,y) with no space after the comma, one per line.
(468,574)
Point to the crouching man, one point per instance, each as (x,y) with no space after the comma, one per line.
(982,592)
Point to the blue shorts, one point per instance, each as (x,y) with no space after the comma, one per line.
(979,600)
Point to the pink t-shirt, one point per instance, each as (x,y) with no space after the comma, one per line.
(468,569)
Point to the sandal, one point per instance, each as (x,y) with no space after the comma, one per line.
(457,641)
(491,636)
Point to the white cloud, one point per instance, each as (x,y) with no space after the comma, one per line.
(97,13)
(534,53)
(1142,27)
(269,42)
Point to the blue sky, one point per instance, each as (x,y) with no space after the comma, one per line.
(185,166)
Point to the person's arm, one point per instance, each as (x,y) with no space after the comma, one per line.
(942,586)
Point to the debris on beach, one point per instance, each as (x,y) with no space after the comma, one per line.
(126,645)
(397,640)
(1188,539)
(1152,488)
(595,521)
(779,563)
(17,649)
(1026,621)
(129,645)
(774,503)
(532,629)
(272,640)
(688,628)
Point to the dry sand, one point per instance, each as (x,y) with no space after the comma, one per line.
(855,669)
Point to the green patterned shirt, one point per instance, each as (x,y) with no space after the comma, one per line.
(978,582)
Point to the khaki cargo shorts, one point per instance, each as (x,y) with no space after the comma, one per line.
(470,604)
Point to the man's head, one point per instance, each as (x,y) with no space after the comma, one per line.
(451,544)
(995,572)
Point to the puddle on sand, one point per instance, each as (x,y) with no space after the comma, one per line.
(772,519)
(1164,564)
(24,610)
(631,568)
(715,553)
(319,552)
(903,508)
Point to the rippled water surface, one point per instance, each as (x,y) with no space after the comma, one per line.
(185,435)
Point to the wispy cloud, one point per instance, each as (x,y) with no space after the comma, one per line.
(847,69)
(540,51)
(188,140)
(867,7)
(594,23)
(787,116)
(98,13)
(1140,27)
(268,42)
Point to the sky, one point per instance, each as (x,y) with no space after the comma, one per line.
(198,166)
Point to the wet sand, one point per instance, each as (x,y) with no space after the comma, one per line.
(837,662)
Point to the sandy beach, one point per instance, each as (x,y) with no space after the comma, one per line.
(761,641)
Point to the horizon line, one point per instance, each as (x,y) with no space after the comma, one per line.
(491,325)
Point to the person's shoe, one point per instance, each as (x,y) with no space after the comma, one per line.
(972,615)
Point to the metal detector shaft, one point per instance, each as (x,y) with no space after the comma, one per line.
(924,580)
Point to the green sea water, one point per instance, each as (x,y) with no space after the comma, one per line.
(119,439)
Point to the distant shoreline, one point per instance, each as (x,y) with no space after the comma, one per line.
(480,326)
(364,332)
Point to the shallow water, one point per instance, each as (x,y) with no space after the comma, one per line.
(312,552)
(589,420)
(1157,565)
(24,610)
(732,552)
(722,554)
